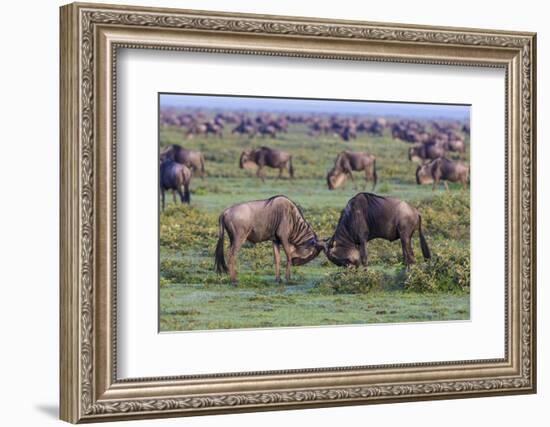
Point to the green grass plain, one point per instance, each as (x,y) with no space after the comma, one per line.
(194,297)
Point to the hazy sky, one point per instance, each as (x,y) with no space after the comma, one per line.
(314,105)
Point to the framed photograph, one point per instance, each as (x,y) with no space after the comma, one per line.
(267,212)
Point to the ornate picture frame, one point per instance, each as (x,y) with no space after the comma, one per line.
(90,37)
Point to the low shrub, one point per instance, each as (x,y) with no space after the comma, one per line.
(448,270)
(352,281)
(447,215)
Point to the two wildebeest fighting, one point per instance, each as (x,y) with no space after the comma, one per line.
(278,219)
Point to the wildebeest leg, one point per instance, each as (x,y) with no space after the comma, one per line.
(183,191)
(163,197)
(280,173)
(259,173)
(363,253)
(404,249)
(286,248)
(410,251)
(408,254)
(235,245)
(174,196)
(277,256)
(350,174)
(436,177)
(180,193)
(446,185)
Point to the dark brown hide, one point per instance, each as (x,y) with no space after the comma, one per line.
(267,157)
(426,151)
(194,160)
(176,177)
(368,216)
(349,161)
(444,170)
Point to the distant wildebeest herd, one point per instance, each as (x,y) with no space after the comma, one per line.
(278,219)
(435,166)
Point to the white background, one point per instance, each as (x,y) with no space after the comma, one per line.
(145,353)
(29,171)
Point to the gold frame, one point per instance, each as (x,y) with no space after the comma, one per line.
(90,36)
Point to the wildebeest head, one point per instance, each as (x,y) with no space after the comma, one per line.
(305,252)
(168,153)
(247,159)
(424,174)
(341,253)
(415,153)
(335,179)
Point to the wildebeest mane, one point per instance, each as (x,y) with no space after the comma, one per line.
(272,198)
(373,198)
(300,211)
(372,201)
(342,226)
(347,224)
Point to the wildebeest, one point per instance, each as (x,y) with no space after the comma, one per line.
(267,130)
(456,144)
(176,177)
(205,128)
(265,156)
(194,160)
(348,161)
(347,132)
(277,219)
(245,127)
(368,216)
(426,152)
(442,169)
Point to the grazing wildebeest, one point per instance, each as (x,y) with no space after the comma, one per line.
(245,127)
(267,130)
(205,128)
(346,131)
(348,161)
(368,216)
(442,169)
(277,219)
(456,144)
(426,152)
(265,156)
(194,160)
(176,177)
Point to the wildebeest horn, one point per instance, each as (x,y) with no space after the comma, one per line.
(322,244)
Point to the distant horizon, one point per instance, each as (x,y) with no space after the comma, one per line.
(321,106)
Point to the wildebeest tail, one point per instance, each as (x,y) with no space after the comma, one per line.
(423,244)
(219,259)
(290,167)
(186,194)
